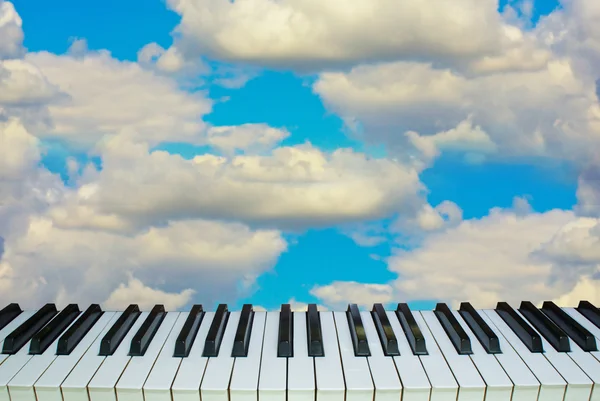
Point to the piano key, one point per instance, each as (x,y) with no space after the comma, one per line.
(301,368)
(471,385)
(102,386)
(574,330)
(119,330)
(590,312)
(552,385)
(519,326)
(416,385)
(443,384)
(47,387)
(315,335)
(386,382)
(328,368)
(8,313)
(215,334)
(499,385)
(359,384)
(285,347)
(74,386)
(187,336)
(246,370)
(19,320)
(273,369)
(411,329)
(579,385)
(20,387)
(384,331)
(215,383)
(186,386)
(22,334)
(46,336)
(158,384)
(550,331)
(241,341)
(454,331)
(69,340)
(357,331)
(526,386)
(481,330)
(143,338)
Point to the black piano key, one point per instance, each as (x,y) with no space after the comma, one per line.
(69,340)
(389,343)
(119,330)
(15,340)
(411,329)
(215,333)
(486,336)
(313,331)
(453,329)
(46,336)
(242,335)
(8,314)
(590,312)
(520,327)
(285,345)
(187,336)
(576,331)
(551,332)
(357,331)
(141,340)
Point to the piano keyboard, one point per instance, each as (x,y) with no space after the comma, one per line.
(524,354)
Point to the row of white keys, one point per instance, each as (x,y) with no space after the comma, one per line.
(246,371)
(416,385)
(47,387)
(471,385)
(273,370)
(102,385)
(20,387)
(443,384)
(9,328)
(157,386)
(328,369)
(552,385)
(186,386)
(359,385)
(217,375)
(385,377)
(301,368)
(579,385)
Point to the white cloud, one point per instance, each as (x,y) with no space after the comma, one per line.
(145,297)
(339,294)
(22,84)
(11,32)
(250,138)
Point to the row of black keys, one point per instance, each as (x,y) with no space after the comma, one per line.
(46,325)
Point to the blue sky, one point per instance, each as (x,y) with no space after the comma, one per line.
(287,99)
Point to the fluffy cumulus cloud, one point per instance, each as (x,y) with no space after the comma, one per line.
(11,32)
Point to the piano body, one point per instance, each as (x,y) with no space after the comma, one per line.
(523,354)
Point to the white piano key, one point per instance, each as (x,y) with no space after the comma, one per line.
(588,325)
(579,386)
(416,385)
(186,386)
(130,384)
(246,371)
(9,328)
(359,384)
(158,384)
(102,385)
(383,371)
(273,370)
(499,385)
(217,375)
(328,369)
(20,387)
(443,385)
(47,387)
(301,368)
(552,385)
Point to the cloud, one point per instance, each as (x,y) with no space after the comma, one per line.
(11,32)
(249,138)
(339,294)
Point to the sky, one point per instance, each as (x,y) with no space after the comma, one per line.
(295,151)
